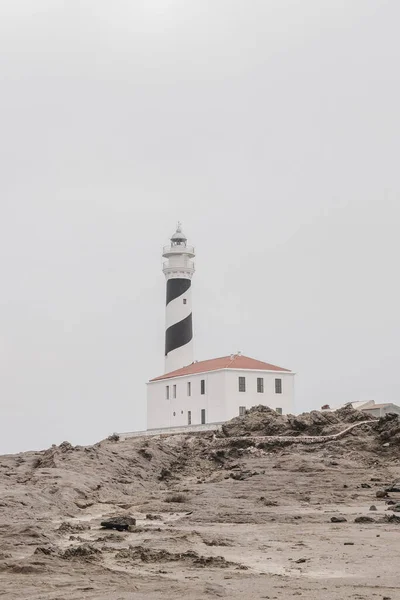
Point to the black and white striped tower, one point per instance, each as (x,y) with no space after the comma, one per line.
(178,270)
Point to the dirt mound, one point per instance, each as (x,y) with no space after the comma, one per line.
(66,527)
(148,555)
(263,421)
(50,458)
(82,552)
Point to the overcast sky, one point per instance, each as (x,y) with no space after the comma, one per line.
(271,128)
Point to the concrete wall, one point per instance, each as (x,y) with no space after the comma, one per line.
(221,400)
(170,431)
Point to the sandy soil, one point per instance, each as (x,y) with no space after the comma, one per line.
(249,522)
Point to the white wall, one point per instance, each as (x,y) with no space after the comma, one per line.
(251,397)
(221,399)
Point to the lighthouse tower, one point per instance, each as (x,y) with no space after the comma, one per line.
(178,270)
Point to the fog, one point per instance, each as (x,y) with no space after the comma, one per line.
(270,128)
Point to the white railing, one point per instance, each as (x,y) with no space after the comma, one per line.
(178,249)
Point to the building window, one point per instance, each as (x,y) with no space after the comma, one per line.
(278,410)
(278,386)
(242,411)
(174,391)
(260,385)
(189,388)
(189,417)
(167,392)
(202,387)
(203,416)
(242,384)
(184,301)
(173,413)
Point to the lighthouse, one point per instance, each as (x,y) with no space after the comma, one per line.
(178,269)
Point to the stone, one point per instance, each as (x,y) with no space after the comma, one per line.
(391,519)
(338,520)
(364,519)
(394,488)
(373,507)
(165,474)
(365,485)
(381,494)
(85,551)
(119,523)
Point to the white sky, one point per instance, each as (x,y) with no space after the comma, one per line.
(270,128)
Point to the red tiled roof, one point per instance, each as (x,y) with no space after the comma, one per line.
(226,362)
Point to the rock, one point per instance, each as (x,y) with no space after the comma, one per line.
(85,551)
(365,485)
(215,590)
(364,519)
(391,519)
(83,504)
(373,507)
(241,475)
(386,445)
(66,527)
(261,421)
(348,544)
(165,474)
(119,523)
(381,494)
(150,517)
(338,520)
(145,453)
(46,550)
(395,508)
(394,488)
(300,560)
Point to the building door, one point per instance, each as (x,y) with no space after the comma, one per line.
(203,416)
(189,417)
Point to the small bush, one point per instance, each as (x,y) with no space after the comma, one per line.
(181,498)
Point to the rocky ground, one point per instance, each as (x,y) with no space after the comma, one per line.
(231,515)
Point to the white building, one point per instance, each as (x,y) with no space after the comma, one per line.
(375,410)
(193,393)
(214,391)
